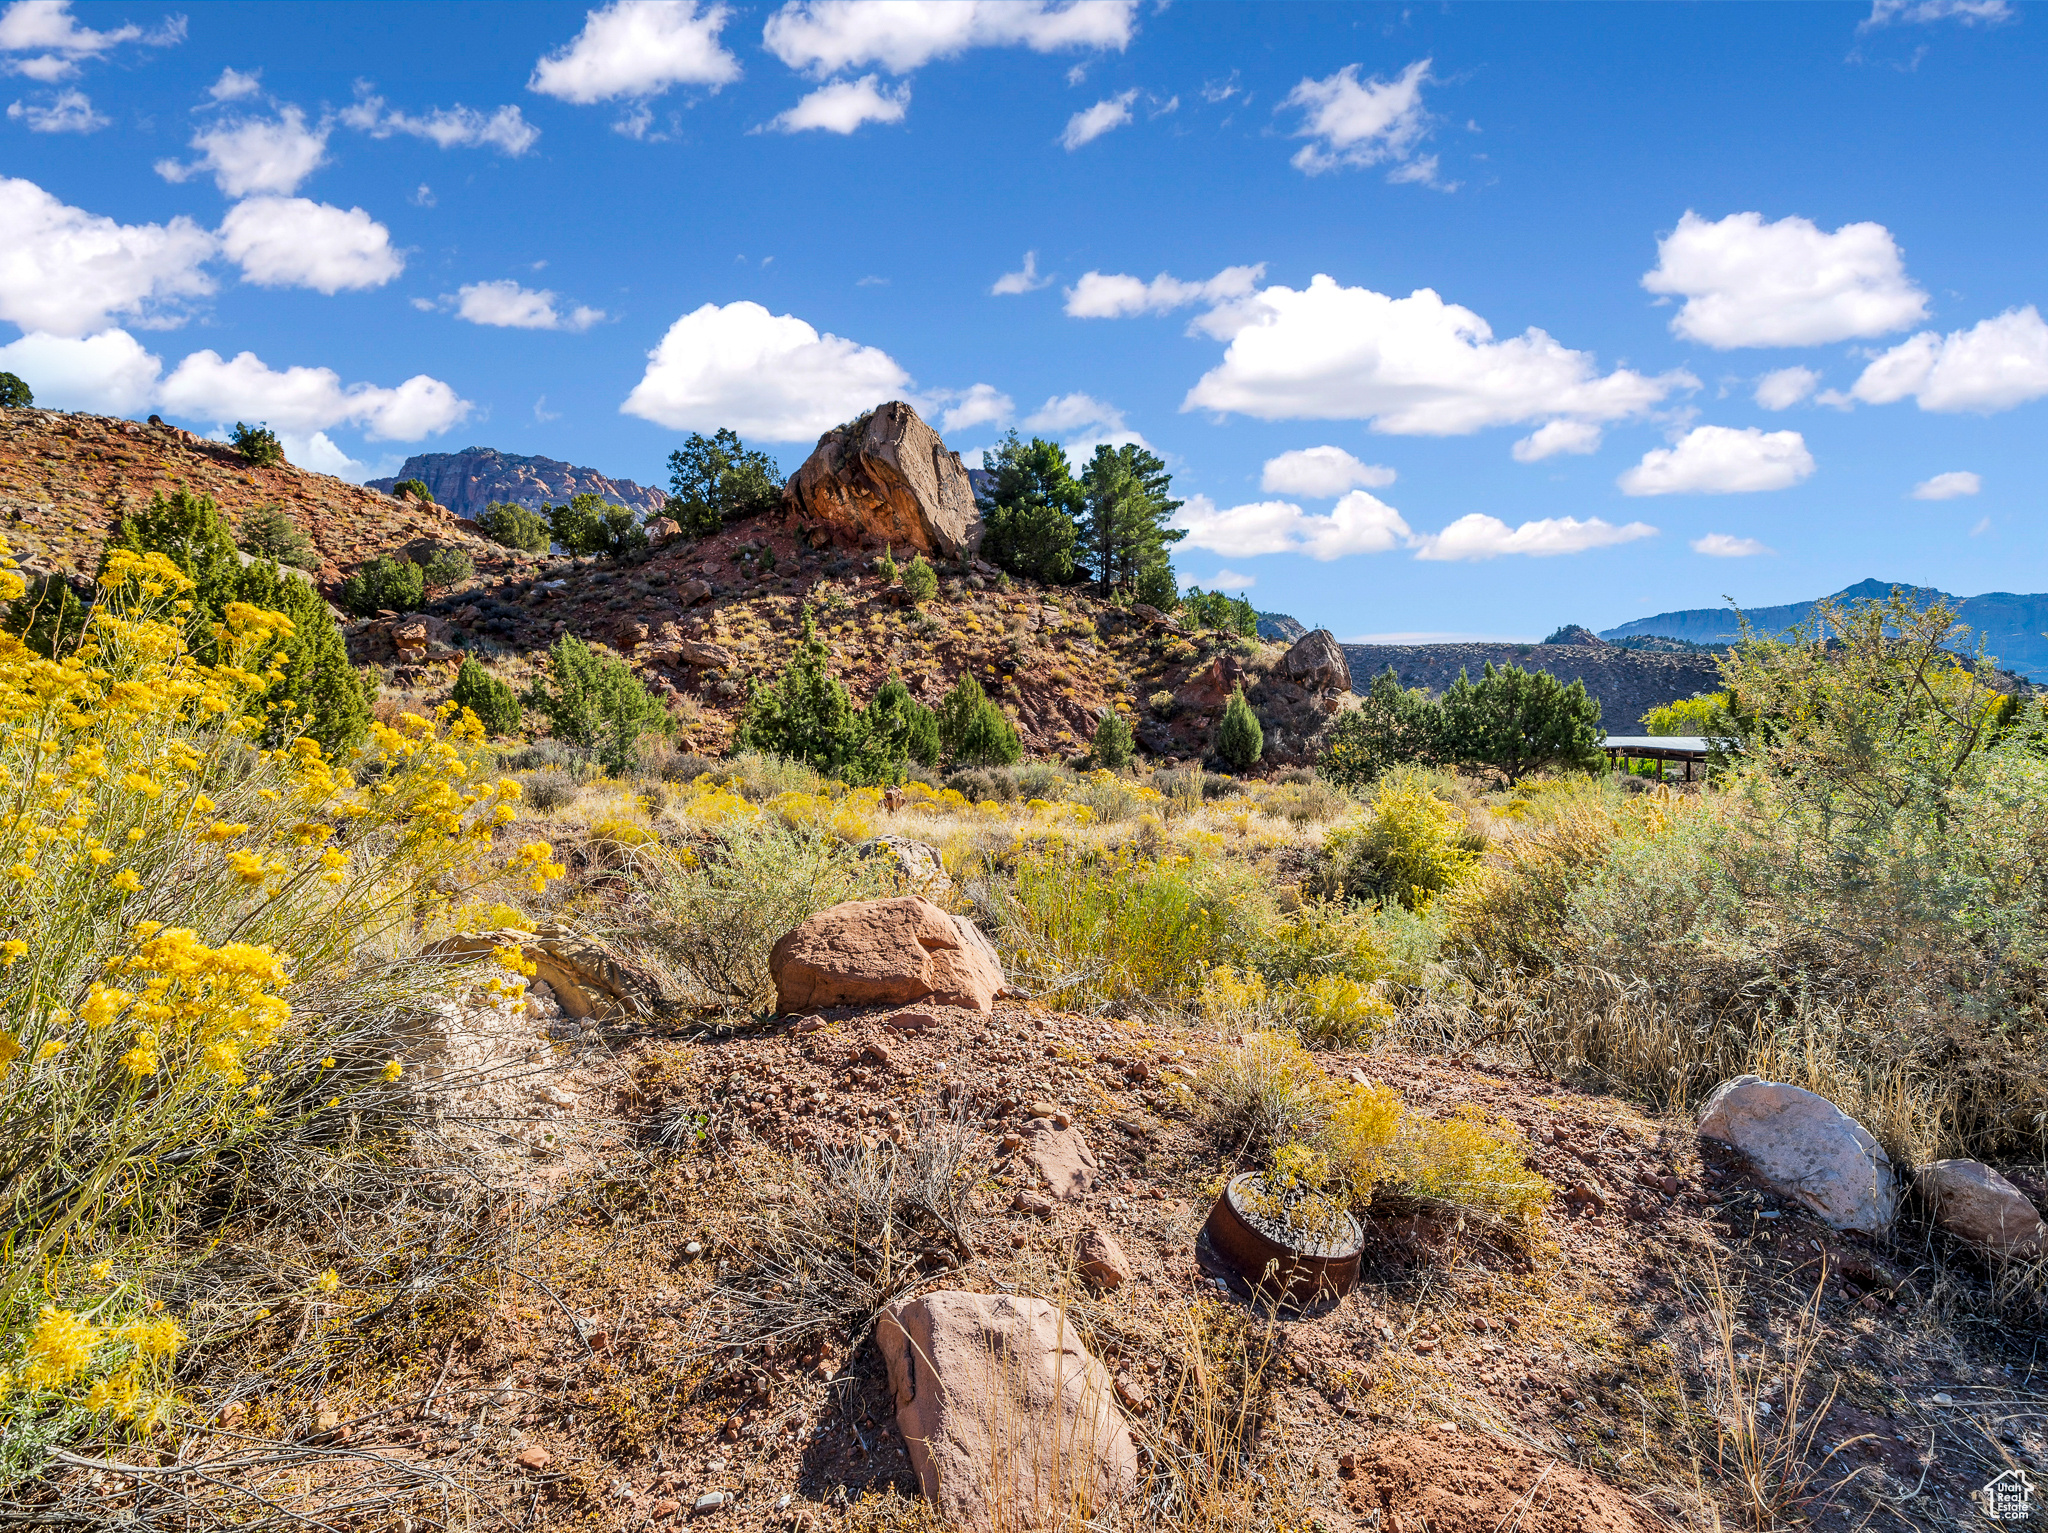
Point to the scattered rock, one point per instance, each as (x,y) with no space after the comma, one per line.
(1808,1149)
(1098,1258)
(706,657)
(1972,1202)
(911,1021)
(1452,1482)
(1009,1419)
(886,477)
(1062,1157)
(585,980)
(1031,1203)
(1585,1195)
(534,1458)
(885,952)
(662,529)
(917,864)
(713,1501)
(1316,663)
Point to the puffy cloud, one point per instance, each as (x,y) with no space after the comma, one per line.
(1950,486)
(844,105)
(1994,365)
(107,374)
(1347,123)
(254,154)
(1884,13)
(1025,281)
(508,305)
(1721,460)
(984,404)
(454,127)
(1554,437)
(319,455)
(233,85)
(1476,537)
(1749,283)
(307,399)
(822,37)
(67,112)
(69,272)
(1319,472)
(1086,126)
(1724,545)
(1357,524)
(765,375)
(56,44)
(1413,366)
(636,49)
(294,242)
(1096,423)
(1222,580)
(1101,295)
(1786,387)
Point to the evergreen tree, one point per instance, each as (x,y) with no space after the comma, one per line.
(594,700)
(1127,502)
(1391,725)
(1028,511)
(590,524)
(269,532)
(1113,743)
(188,530)
(14,394)
(384,584)
(495,705)
(717,479)
(973,730)
(920,580)
(259,444)
(48,617)
(1516,721)
(900,728)
(513,526)
(1239,739)
(807,715)
(413,489)
(1212,609)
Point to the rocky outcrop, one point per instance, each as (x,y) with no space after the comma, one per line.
(886,477)
(585,980)
(885,953)
(1278,625)
(1974,1203)
(467,481)
(1576,633)
(1316,664)
(1011,1422)
(1808,1149)
(1626,683)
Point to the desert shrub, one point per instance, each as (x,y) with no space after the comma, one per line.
(593,699)
(269,532)
(551,788)
(1239,739)
(1518,722)
(1046,780)
(201,960)
(983,785)
(384,584)
(1324,1010)
(973,731)
(1705,715)
(920,581)
(661,759)
(1113,743)
(14,394)
(1391,725)
(1410,846)
(448,567)
(590,524)
(512,526)
(808,715)
(495,705)
(1109,798)
(413,489)
(1267,1092)
(259,444)
(1306,803)
(715,912)
(1163,704)
(48,617)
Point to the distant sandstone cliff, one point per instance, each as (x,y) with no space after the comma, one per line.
(467,481)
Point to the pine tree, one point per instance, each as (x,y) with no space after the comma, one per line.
(900,728)
(1239,739)
(717,479)
(1127,502)
(973,730)
(807,715)
(495,705)
(1516,721)
(1113,743)
(594,700)
(1028,512)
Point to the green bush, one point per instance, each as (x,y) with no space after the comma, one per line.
(594,700)
(14,394)
(900,728)
(1517,721)
(513,526)
(1028,512)
(1239,739)
(1212,609)
(413,489)
(886,565)
(1391,725)
(495,705)
(48,617)
(1113,743)
(448,567)
(384,584)
(972,730)
(807,715)
(1706,716)
(920,581)
(269,532)
(1410,847)
(717,479)
(259,444)
(590,524)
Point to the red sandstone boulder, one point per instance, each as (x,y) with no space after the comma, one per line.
(885,953)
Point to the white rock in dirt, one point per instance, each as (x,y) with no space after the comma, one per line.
(1061,1155)
(1808,1149)
(1974,1203)
(1011,1422)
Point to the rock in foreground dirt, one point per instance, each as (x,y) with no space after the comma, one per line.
(1010,1420)
(1459,1482)
(1974,1203)
(1808,1149)
(885,953)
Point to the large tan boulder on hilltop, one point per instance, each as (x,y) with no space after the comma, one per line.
(1011,1422)
(1808,1149)
(1315,663)
(1974,1203)
(886,477)
(885,953)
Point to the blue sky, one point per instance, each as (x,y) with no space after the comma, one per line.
(1465,320)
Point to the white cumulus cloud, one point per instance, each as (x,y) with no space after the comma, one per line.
(1554,437)
(107,374)
(1025,281)
(509,306)
(207,387)
(255,154)
(1089,124)
(1413,366)
(69,272)
(68,111)
(1721,460)
(1789,283)
(1725,545)
(233,84)
(822,37)
(982,405)
(1222,580)
(1885,13)
(455,127)
(1093,422)
(1347,123)
(845,105)
(1994,365)
(766,375)
(1358,524)
(55,44)
(1475,537)
(1104,295)
(1783,389)
(1950,486)
(295,242)
(634,49)
(1320,472)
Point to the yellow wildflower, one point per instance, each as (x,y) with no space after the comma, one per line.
(155,1338)
(328,1281)
(9,1050)
(102,1269)
(60,1347)
(10,950)
(51,1048)
(393,1070)
(127,881)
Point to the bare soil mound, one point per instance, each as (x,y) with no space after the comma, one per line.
(1456,1482)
